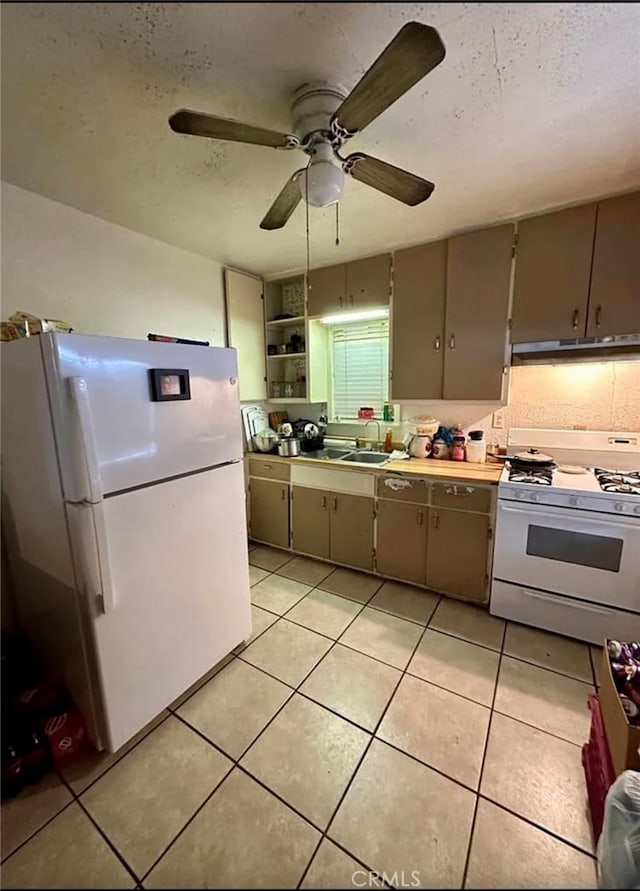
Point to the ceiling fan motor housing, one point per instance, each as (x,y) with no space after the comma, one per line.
(312,109)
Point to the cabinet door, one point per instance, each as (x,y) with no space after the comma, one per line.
(310,521)
(553,266)
(401,545)
(477,311)
(269,503)
(368,282)
(614,303)
(326,290)
(245,332)
(351,530)
(417,321)
(457,553)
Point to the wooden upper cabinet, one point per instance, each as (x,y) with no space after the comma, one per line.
(326,290)
(614,302)
(368,282)
(245,331)
(477,307)
(553,268)
(417,330)
(361,284)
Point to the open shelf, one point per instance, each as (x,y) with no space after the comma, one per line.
(281,323)
(287,355)
(288,399)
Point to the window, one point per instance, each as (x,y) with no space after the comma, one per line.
(359,367)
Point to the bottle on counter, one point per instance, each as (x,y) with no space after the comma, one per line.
(476,447)
(388,442)
(458,448)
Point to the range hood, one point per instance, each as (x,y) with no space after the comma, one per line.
(578,349)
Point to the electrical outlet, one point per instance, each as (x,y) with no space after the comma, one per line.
(497,421)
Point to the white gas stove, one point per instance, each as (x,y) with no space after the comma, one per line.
(567,552)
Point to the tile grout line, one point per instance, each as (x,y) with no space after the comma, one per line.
(42,826)
(108,841)
(365,751)
(484,755)
(540,827)
(191,818)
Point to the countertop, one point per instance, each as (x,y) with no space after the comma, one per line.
(466,471)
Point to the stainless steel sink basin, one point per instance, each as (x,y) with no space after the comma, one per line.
(366,457)
(329,454)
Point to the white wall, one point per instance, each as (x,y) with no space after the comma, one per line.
(60,263)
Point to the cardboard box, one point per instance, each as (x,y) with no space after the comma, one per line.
(623,738)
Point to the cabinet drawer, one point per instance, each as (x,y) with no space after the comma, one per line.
(401,488)
(271,470)
(461,496)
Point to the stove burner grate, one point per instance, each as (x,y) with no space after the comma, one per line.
(623,482)
(541,477)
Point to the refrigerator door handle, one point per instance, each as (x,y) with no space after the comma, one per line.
(88,452)
(89,532)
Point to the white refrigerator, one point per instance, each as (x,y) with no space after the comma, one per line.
(124,517)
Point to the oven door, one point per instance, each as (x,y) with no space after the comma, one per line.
(590,556)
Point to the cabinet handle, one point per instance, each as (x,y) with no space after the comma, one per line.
(452,342)
(436,521)
(420,517)
(436,342)
(335,503)
(324,502)
(598,316)
(351,299)
(576,318)
(282,495)
(340,302)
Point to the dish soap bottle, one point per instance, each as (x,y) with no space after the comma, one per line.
(388,442)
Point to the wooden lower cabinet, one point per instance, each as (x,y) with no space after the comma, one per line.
(269,506)
(351,529)
(457,553)
(310,521)
(401,550)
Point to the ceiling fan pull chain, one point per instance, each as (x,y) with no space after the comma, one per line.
(337,223)
(306,204)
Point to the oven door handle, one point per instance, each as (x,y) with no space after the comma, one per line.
(537,512)
(554,599)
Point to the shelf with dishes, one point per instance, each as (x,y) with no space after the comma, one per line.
(295,346)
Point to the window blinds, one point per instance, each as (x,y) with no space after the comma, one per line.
(360,367)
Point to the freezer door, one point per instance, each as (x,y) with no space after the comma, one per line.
(136,439)
(179,598)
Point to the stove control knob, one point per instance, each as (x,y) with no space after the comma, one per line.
(573,501)
(518,493)
(535,496)
(636,509)
(618,506)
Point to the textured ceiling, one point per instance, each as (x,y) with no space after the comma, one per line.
(535,105)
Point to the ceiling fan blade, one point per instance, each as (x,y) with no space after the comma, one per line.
(393,181)
(284,205)
(196,123)
(412,53)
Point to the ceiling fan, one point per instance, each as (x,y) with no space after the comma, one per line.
(324,117)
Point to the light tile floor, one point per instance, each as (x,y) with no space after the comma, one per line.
(365,726)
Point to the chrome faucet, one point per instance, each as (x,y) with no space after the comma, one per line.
(373,421)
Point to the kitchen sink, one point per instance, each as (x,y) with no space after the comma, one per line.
(327,454)
(366,457)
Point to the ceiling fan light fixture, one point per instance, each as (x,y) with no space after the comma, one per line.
(322,182)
